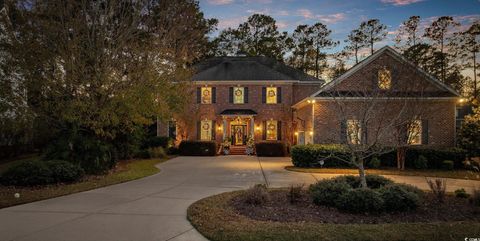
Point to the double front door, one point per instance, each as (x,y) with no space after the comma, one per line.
(239,135)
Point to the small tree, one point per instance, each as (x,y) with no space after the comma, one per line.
(469,135)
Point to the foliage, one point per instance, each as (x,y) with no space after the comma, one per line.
(270,149)
(355,41)
(461,193)
(434,156)
(157,152)
(198,148)
(374,31)
(398,198)
(361,200)
(420,162)
(327,192)
(438,187)
(226,143)
(29,173)
(374,162)
(373,181)
(469,134)
(157,141)
(330,155)
(64,172)
(295,192)
(447,165)
(475,199)
(256,195)
(410,29)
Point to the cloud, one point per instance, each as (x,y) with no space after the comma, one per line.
(230,22)
(220,2)
(331,18)
(282,25)
(305,13)
(401,2)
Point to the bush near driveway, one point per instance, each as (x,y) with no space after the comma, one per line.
(398,198)
(311,155)
(270,148)
(198,148)
(328,192)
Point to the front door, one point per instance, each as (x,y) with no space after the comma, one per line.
(238,134)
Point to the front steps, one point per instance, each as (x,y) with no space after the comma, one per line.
(237,150)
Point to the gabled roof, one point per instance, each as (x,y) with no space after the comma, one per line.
(447,91)
(248,68)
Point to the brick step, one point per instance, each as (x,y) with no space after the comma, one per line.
(237,150)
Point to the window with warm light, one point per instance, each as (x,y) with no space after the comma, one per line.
(206,130)
(415,132)
(271,95)
(238,95)
(384,79)
(206,95)
(272,130)
(354,132)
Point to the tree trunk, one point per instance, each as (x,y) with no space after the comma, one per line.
(401,154)
(356,55)
(475,87)
(316,62)
(361,172)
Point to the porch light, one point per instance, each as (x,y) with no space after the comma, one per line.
(257,128)
(462,100)
(309,101)
(219,128)
(313,101)
(311,133)
(296,133)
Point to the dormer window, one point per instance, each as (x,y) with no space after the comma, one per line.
(384,79)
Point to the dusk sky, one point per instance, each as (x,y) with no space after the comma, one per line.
(340,16)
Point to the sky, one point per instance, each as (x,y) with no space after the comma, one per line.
(340,16)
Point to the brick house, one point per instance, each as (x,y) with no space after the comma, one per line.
(243,97)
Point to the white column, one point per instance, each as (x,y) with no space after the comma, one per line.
(224,128)
(252,127)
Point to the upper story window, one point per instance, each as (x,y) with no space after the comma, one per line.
(206,95)
(272,130)
(238,95)
(354,132)
(414,132)
(384,79)
(271,95)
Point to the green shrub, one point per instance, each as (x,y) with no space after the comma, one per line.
(173,150)
(157,141)
(198,148)
(434,157)
(157,152)
(361,200)
(328,192)
(373,181)
(65,172)
(143,154)
(397,198)
(270,149)
(28,173)
(374,163)
(475,198)
(447,165)
(461,193)
(352,181)
(332,155)
(411,188)
(256,195)
(421,162)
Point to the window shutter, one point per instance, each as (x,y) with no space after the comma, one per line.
(245,95)
(230,95)
(264,95)
(199,95)
(279,130)
(264,130)
(213,130)
(343,131)
(279,95)
(214,95)
(424,132)
(198,130)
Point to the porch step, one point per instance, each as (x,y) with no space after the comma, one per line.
(237,150)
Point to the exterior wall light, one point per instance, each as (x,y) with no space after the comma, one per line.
(311,133)
(257,128)
(296,133)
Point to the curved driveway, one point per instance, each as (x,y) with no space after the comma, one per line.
(154,208)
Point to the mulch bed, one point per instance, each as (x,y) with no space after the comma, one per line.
(279,209)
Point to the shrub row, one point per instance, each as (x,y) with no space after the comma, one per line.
(345,194)
(270,149)
(34,173)
(198,148)
(333,154)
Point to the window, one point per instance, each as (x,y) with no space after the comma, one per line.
(238,95)
(384,79)
(206,130)
(415,132)
(272,127)
(271,95)
(354,132)
(206,95)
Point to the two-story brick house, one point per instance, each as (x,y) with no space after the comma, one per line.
(243,97)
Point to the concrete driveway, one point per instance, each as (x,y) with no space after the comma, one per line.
(153,208)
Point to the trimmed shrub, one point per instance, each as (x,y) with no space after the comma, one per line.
(461,193)
(256,195)
(361,200)
(328,192)
(156,152)
(447,165)
(374,163)
(397,198)
(435,157)
(411,188)
(352,181)
(29,173)
(63,171)
(198,148)
(332,155)
(157,141)
(270,149)
(373,181)
(420,162)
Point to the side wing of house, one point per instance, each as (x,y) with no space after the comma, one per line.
(379,93)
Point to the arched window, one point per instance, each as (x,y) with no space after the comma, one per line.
(384,79)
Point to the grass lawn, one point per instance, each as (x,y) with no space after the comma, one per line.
(125,171)
(459,174)
(216,220)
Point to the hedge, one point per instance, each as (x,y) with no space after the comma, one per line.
(333,154)
(198,148)
(157,141)
(270,149)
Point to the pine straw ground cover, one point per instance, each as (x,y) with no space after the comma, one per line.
(225,217)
